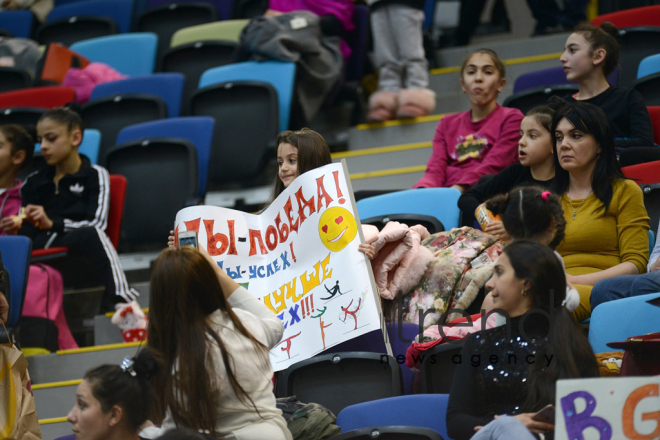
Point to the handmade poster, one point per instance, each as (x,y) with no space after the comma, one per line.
(608,408)
(300,257)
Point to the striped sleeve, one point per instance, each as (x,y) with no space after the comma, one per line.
(99,204)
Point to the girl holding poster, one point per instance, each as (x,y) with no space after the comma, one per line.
(508,373)
(201,322)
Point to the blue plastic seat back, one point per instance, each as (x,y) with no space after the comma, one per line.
(168,86)
(121,11)
(276,73)
(440,203)
(649,65)
(223,7)
(429,13)
(130,54)
(196,129)
(89,146)
(617,320)
(550,77)
(15,252)
(18,22)
(423,410)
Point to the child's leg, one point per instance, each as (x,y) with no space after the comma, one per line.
(415,99)
(97,248)
(383,103)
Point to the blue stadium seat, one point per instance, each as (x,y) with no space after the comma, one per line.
(167,86)
(617,320)
(197,129)
(279,74)
(222,7)
(421,410)
(130,54)
(440,203)
(15,252)
(18,22)
(649,66)
(120,11)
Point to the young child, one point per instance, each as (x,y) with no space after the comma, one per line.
(67,202)
(403,79)
(536,166)
(479,141)
(297,152)
(16,150)
(534,214)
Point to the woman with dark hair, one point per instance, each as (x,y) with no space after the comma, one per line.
(590,55)
(496,399)
(113,401)
(214,338)
(606,222)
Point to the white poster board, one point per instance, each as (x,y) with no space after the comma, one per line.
(608,408)
(300,257)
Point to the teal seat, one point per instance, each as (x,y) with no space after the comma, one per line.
(15,250)
(130,54)
(440,203)
(89,146)
(279,74)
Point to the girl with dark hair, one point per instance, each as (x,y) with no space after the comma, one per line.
(590,55)
(535,167)
(16,150)
(214,338)
(113,401)
(606,221)
(482,140)
(497,399)
(67,203)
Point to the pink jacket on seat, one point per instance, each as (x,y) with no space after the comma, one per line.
(400,260)
(84,80)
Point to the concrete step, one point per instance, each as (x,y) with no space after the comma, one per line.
(393,133)
(375,159)
(54,428)
(55,399)
(403,178)
(67,365)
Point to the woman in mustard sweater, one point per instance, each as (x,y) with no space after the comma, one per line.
(606,222)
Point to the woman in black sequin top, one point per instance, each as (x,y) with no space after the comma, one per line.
(512,370)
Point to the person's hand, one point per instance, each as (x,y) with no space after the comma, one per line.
(496,228)
(461,188)
(170,240)
(533,425)
(37,215)
(4,307)
(655,266)
(9,226)
(368,250)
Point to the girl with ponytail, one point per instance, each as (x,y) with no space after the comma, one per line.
(496,400)
(113,401)
(591,53)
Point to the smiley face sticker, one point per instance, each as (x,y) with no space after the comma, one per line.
(337,228)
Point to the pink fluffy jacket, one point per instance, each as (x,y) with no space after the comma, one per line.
(400,260)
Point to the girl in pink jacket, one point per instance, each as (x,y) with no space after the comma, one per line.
(16,149)
(482,140)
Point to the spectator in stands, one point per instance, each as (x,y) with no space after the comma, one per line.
(403,78)
(66,203)
(113,401)
(550,19)
(40,8)
(606,222)
(297,152)
(629,285)
(591,53)
(336,15)
(16,150)
(483,140)
(490,400)
(214,337)
(536,166)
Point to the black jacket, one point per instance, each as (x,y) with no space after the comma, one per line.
(79,200)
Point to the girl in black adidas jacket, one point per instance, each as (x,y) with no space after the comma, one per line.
(67,203)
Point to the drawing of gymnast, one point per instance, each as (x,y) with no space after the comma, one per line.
(335,290)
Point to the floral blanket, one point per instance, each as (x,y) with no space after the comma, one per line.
(450,274)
